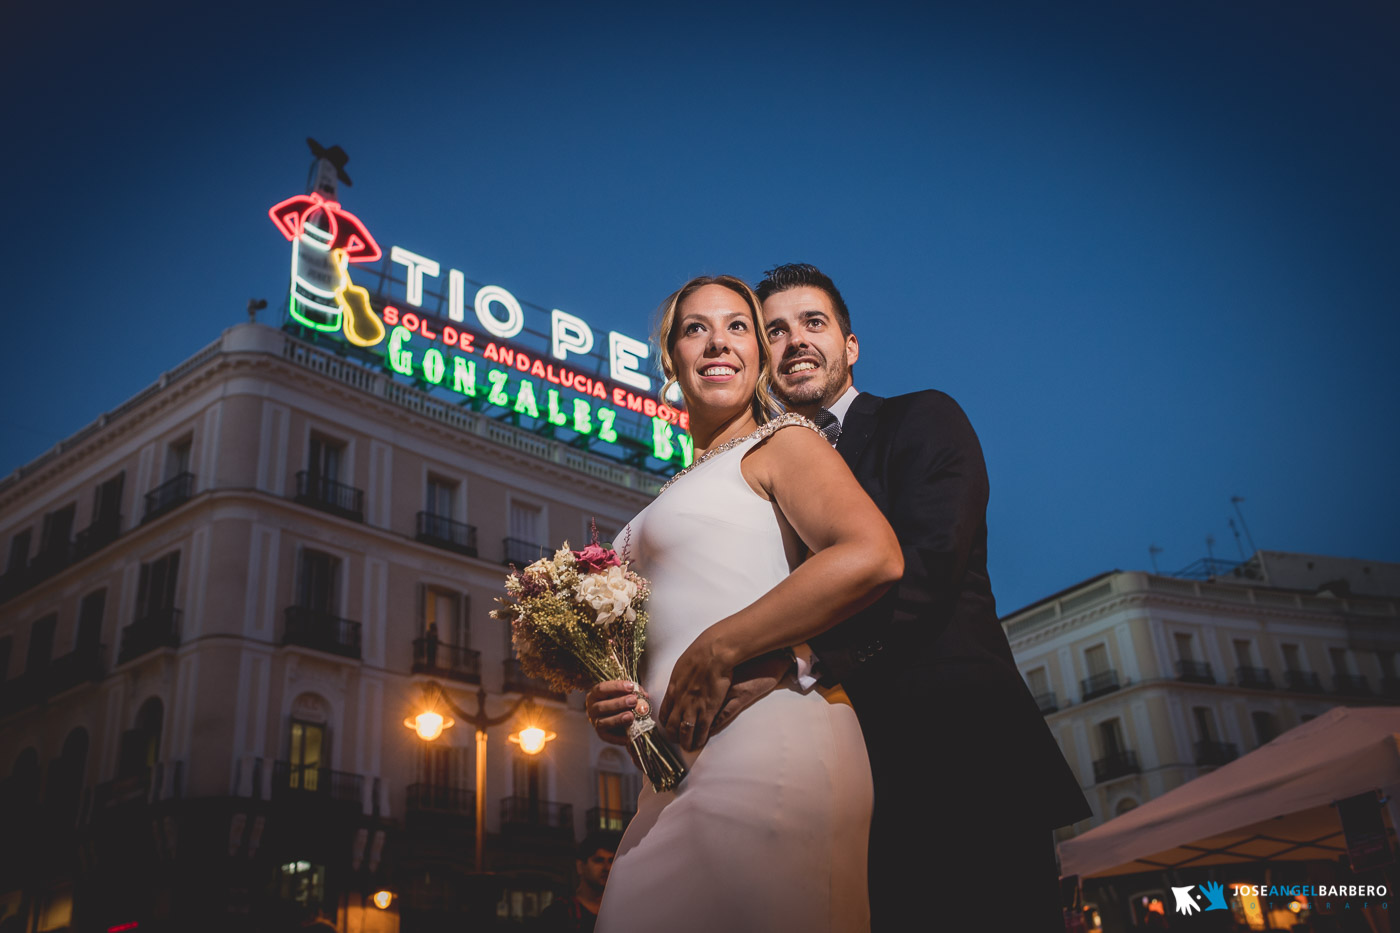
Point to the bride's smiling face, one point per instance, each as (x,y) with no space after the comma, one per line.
(716,351)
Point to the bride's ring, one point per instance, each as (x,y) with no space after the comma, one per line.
(687,725)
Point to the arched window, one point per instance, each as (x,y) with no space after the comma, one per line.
(66,777)
(140,748)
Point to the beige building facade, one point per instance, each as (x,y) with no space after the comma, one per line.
(220,603)
(1148,681)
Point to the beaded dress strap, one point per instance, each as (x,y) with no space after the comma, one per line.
(764,430)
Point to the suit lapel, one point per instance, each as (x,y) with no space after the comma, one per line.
(857,427)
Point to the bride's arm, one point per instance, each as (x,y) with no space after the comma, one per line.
(856,557)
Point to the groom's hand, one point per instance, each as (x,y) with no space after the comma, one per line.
(753,680)
(610,705)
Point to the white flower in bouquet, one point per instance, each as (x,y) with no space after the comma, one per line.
(609,594)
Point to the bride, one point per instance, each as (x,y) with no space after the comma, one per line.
(769,829)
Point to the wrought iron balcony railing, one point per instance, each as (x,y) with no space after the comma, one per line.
(432,798)
(1047,702)
(314,628)
(520,553)
(169,495)
(1302,681)
(431,656)
(81,665)
(517,681)
(1118,764)
(159,628)
(329,496)
(1256,678)
(447,534)
(1096,685)
(290,780)
(1194,672)
(599,819)
(543,814)
(1215,753)
(1351,685)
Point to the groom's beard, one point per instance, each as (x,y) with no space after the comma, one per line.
(820,387)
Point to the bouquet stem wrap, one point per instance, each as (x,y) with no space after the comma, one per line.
(579,618)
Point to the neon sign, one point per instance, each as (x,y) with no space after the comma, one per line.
(473,360)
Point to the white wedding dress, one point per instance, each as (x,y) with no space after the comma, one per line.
(768,832)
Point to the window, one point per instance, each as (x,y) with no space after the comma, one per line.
(1111,738)
(19,551)
(1291,658)
(41,643)
(107,503)
(1096,659)
(525,524)
(1184,651)
(57,529)
(90,620)
(303,883)
(1386,659)
(443,616)
(1244,652)
(1038,681)
(177,458)
(617,792)
(318,582)
(1341,663)
(307,754)
(140,746)
(155,593)
(441,497)
(1205,723)
(1265,726)
(325,458)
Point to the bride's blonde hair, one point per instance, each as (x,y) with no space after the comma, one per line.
(765,403)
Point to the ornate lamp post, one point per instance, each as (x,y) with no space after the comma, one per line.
(433,721)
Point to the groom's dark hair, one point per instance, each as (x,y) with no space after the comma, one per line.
(796,275)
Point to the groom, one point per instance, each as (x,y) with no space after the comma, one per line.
(969,783)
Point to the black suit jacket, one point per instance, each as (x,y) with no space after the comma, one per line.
(928,667)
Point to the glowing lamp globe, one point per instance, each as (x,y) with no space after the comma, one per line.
(428,725)
(382,899)
(532,739)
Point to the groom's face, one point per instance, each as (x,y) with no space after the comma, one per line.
(812,359)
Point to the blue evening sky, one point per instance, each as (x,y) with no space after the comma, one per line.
(1150,246)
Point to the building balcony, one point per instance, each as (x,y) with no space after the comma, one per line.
(1194,672)
(313,628)
(447,534)
(158,629)
(1215,753)
(521,553)
(1047,702)
(292,781)
(1097,685)
(1119,764)
(431,656)
(1256,678)
(431,798)
(53,559)
(1350,685)
(169,495)
(1302,681)
(517,681)
(80,666)
(599,819)
(533,813)
(96,536)
(329,496)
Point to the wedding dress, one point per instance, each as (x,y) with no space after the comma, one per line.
(768,832)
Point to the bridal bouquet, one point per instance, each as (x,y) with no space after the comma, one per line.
(576,619)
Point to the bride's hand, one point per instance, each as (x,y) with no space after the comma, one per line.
(699,682)
(610,706)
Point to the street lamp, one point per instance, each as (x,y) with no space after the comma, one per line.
(432,722)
